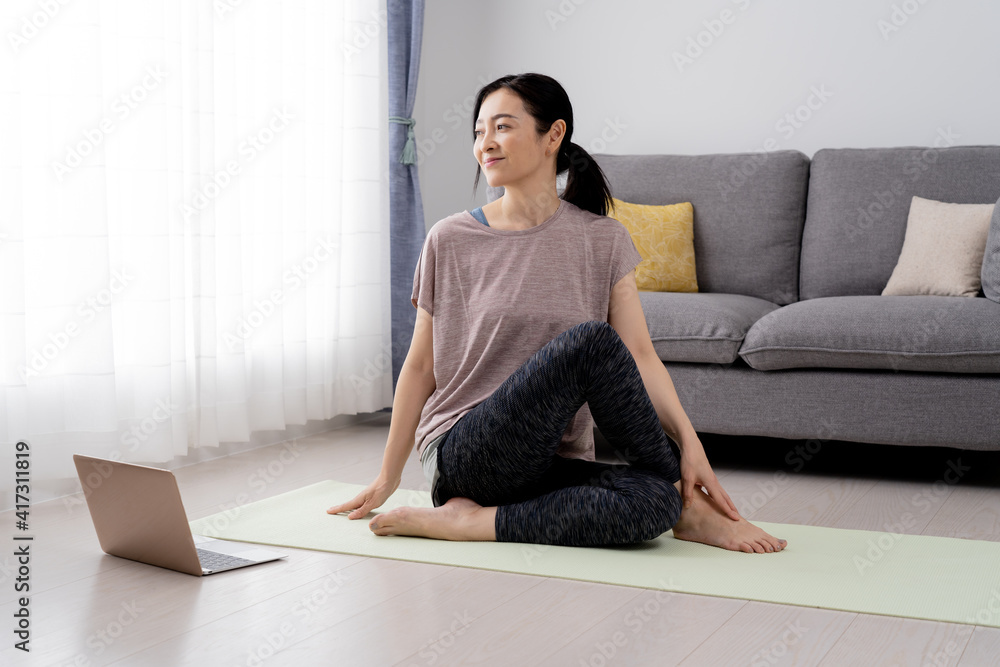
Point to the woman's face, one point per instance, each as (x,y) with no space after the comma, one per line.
(508,147)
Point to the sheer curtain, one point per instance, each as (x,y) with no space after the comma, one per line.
(194,228)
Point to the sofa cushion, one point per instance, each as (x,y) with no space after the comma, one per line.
(942,250)
(859,201)
(664,237)
(907,333)
(749,209)
(991,258)
(706,328)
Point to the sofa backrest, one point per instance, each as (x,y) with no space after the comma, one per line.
(859,202)
(749,209)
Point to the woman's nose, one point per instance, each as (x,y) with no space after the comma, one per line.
(488,141)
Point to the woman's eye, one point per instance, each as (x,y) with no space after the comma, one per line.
(477,133)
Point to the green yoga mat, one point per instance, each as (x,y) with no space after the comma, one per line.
(914,576)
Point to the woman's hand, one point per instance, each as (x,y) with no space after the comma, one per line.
(374,495)
(696,472)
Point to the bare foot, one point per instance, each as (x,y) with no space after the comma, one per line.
(458,519)
(705,522)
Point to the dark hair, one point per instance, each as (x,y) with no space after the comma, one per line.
(547,102)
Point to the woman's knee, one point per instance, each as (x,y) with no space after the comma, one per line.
(577,343)
(594,336)
(594,328)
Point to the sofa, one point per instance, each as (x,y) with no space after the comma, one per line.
(788,335)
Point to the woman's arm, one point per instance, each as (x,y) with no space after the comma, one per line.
(413,388)
(626,316)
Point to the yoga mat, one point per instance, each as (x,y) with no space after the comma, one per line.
(914,576)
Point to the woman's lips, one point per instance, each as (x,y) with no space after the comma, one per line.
(490,163)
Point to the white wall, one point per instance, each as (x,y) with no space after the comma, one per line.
(934,79)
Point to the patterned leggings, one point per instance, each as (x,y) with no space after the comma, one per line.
(503,452)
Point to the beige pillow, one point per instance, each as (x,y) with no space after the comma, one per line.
(942,250)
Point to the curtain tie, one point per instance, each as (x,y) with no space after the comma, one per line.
(409,153)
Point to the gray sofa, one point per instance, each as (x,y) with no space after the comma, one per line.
(788,336)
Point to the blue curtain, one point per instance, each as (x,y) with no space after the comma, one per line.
(406,210)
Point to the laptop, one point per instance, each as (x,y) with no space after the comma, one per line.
(138,514)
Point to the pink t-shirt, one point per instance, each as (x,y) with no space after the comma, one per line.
(497,296)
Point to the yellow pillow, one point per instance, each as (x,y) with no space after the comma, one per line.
(664,237)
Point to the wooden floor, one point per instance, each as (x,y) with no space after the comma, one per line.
(329,609)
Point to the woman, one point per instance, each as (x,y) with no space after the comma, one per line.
(529,321)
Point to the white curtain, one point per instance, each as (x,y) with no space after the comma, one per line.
(194,235)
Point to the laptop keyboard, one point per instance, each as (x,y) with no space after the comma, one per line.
(211,560)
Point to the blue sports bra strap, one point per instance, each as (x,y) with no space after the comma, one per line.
(480,216)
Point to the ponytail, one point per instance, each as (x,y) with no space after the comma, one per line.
(586,185)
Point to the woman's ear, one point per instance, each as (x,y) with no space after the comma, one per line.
(555,137)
